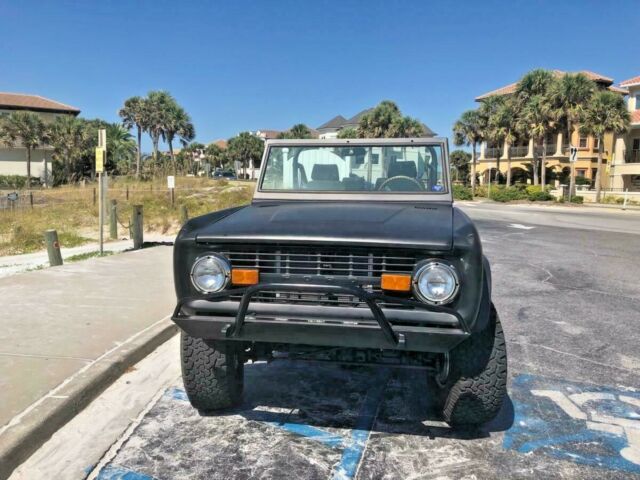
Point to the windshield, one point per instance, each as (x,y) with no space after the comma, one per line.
(397,168)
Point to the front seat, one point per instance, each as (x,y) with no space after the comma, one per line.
(403,169)
(325,177)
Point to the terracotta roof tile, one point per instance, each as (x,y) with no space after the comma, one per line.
(19,101)
(511,88)
(631,81)
(615,89)
(635,116)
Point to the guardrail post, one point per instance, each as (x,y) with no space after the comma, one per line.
(184,214)
(53,247)
(113,220)
(136,227)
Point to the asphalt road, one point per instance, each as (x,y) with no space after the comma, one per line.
(566,286)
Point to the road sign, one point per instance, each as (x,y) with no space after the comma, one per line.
(100,154)
(13,196)
(171,181)
(102,138)
(573,154)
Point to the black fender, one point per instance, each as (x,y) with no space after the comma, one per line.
(484,311)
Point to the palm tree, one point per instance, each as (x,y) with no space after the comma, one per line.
(377,122)
(121,147)
(67,136)
(29,130)
(299,130)
(215,154)
(606,112)
(158,104)
(177,122)
(537,83)
(490,127)
(571,93)
(538,119)
(133,115)
(506,123)
(348,132)
(467,131)
(406,127)
(246,149)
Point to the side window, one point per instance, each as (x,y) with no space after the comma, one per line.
(636,144)
(583,141)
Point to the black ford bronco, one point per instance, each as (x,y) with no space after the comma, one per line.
(353,252)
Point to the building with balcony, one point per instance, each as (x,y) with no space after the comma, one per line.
(557,151)
(13,157)
(625,168)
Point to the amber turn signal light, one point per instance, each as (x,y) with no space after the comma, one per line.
(398,283)
(243,276)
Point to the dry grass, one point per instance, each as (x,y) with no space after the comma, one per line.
(71,210)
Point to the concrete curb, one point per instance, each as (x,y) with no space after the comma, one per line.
(38,424)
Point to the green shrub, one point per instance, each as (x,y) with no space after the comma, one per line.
(536,193)
(16,182)
(583,181)
(577,199)
(460,192)
(504,194)
(481,191)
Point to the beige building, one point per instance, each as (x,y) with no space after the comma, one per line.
(625,168)
(13,158)
(557,152)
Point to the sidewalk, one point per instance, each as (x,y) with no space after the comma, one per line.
(67,332)
(10,265)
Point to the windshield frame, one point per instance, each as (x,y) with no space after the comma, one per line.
(444,196)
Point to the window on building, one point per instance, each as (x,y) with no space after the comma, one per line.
(638,101)
(583,141)
(596,143)
(581,172)
(636,144)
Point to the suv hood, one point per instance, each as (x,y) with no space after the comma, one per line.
(422,225)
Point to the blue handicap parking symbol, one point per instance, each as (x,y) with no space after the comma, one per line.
(586,424)
(351,444)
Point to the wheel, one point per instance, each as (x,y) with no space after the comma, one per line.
(212,372)
(473,389)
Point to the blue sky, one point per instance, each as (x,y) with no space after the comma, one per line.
(240,65)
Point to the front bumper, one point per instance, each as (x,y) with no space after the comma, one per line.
(423,328)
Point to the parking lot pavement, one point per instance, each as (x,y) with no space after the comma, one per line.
(569,302)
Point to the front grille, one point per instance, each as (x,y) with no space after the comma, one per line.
(363,266)
(323,262)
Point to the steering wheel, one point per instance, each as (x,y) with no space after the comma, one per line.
(404,184)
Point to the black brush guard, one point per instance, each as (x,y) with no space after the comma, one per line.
(423,328)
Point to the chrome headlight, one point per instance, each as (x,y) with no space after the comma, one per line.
(436,283)
(210,273)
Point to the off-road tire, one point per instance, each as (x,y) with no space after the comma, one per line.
(212,372)
(477,383)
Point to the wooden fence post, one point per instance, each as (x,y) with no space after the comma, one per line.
(113,220)
(137,227)
(53,247)
(94,196)
(184,214)
(31,199)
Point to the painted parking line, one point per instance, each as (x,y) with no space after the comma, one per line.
(115,472)
(585,424)
(520,226)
